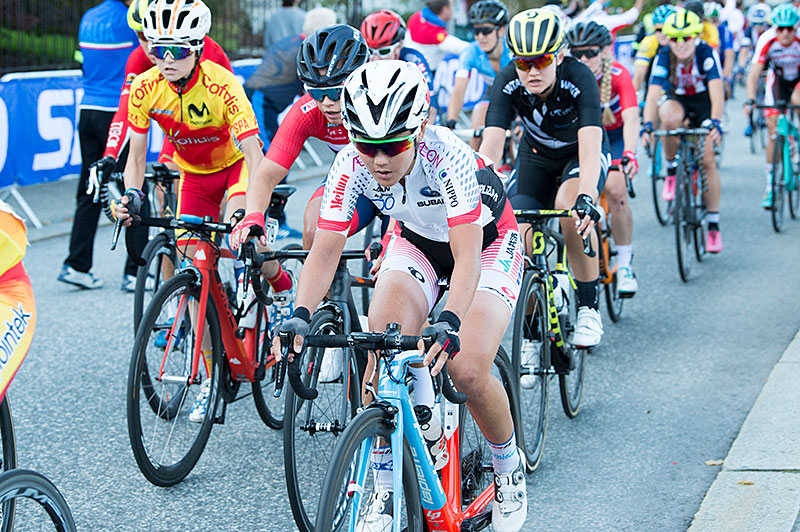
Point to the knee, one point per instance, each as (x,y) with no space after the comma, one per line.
(466,377)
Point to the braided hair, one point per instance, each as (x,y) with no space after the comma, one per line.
(605,90)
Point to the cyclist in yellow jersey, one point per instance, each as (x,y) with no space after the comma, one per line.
(17,306)
(204,112)
(650,46)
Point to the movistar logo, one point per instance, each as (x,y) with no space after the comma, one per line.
(194,112)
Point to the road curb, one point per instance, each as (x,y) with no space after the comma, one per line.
(758,487)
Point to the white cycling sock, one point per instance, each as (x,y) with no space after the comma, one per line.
(423,386)
(381,461)
(505,457)
(624,255)
(768,175)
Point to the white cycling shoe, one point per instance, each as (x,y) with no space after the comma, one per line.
(377,515)
(510,505)
(626,282)
(530,359)
(332,362)
(198,411)
(588,328)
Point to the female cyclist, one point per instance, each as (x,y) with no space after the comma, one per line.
(488,54)
(650,46)
(591,44)
(563,155)
(688,70)
(400,162)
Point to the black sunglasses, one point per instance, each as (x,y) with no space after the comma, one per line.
(484,30)
(586,52)
(319,94)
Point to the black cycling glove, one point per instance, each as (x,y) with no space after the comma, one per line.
(134,205)
(585,206)
(99,173)
(297,325)
(445,333)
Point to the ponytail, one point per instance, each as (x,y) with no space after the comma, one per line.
(605,91)
(673,70)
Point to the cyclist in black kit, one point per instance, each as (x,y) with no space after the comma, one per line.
(564,153)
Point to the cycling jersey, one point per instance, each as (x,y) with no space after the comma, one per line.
(648,49)
(710,35)
(551,125)
(138,63)
(204,121)
(725,38)
(691,80)
(414,56)
(440,192)
(784,61)
(13,240)
(622,94)
(474,57)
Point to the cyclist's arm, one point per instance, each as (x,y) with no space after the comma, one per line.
(752,79)
(727,68)
(465,243)
(630,128)
(137,159)
(261,184)
(252,154)
(590,141)
(639,72)
(457,97)
(498,116)
(319,268)
(651,102)
(717,94)
(494,139)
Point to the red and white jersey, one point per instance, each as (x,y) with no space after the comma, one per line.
(623,96)
(783,60)
(303,121)
(441,191)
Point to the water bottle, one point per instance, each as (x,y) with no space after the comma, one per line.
(433,435)
(248,320)
(561,286)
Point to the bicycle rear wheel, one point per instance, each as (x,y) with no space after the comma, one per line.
(530,367)
(607,253)
(9,457)
(778,184)
(312,427)
(349,481)
(661,206)
(161,257)
(165,443)
(23,483)
(570,383)
(684,229)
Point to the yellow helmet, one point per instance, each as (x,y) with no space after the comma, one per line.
(683,23)
(136,12)
(534,32)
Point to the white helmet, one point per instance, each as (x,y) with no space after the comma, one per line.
(177,22)
(383,98)
(759,13)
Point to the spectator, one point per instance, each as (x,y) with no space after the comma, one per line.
(287,21)
(597,13)
(427,32)
(106,41)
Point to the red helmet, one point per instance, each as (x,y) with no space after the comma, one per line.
(383,28)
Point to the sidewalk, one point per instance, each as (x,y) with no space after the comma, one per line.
(758,487)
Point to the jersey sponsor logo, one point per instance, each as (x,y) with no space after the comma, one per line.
(708,64)
(428,192)
(659,72)
(338,192)
(194,112)
(512,85)
(115,134)
(571,87)
(222,91)
(386,204)
(14,333)
(308,106)
(130,77)
(155,111)
(432,156)
(451,192)
(141,92)
(185,142)
(488,191)
(416,274)
(430,202)
(241,126)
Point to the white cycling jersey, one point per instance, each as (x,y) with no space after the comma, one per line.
(443,189)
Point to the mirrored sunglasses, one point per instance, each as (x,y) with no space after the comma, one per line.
(680,39)
(319,93)
(538,62)
(586,52)
(391,147)
(781,29)
(386,50)
(177,52)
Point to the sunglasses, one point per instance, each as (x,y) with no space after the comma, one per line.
(680,39)
(177,52)
(319,94)
(391,147)
(538,62)
(660,28)
(781,29)
(386,50)
(587,52)
(484,30)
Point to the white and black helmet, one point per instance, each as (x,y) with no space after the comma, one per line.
(383,98)
(177,22)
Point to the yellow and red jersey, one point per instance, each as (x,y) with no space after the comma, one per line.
(204,120)
(13,239)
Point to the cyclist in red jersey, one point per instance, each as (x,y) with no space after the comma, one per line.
(590,43)
(317,114)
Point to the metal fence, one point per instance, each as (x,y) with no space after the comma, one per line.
(43,34)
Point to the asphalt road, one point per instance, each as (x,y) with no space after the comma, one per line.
(668,389)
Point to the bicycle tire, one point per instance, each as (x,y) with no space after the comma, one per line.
(607,253)
(794,197)
(570,384)
(9,457)
(163,404)
(304,451)
(161,247)
(536,395)
(662,208)
(369,424)
(32,485)
(777,184)
(683,224)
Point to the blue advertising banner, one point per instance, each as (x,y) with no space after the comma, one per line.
(445,79)
(39,114)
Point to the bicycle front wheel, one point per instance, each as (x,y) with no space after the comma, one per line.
(160,256)
(270,408)
(608,272)
(9,457)
(349,482)
(168,420)
(530,364)
(778,184)
(684,230)
(312,427)
(570,383)
(662,207)
(31,485)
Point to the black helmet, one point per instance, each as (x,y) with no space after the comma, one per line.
(588,34)
(696,7)
(488,12)
(338,49)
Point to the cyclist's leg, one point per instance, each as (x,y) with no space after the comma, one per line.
(616,193)
(671,115)
(772,92)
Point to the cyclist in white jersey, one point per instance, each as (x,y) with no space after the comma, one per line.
(455,223)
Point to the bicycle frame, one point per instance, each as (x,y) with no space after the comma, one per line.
(787,129)
(441,498)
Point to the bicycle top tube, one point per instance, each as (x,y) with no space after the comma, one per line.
(698,131)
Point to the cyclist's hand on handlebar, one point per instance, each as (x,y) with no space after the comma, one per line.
(128,208)
(445,335)
(630,164)
(296,328)
(646,133)
(747,107)
(585,214)
(714,129)
(99,173)
(251,225)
